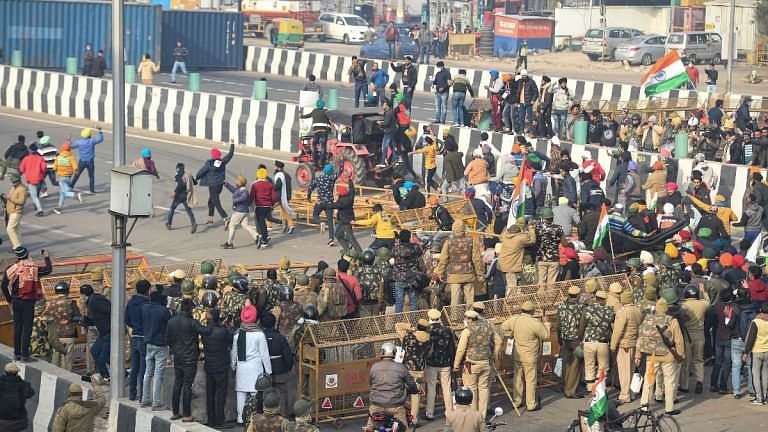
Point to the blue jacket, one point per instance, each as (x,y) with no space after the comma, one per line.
(240,198)
(154,317)
(380,78)
(133,314)
(86,146)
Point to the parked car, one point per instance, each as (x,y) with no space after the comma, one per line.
(644,49)
(379,49)
(697,46)
(347,28)
(599,42)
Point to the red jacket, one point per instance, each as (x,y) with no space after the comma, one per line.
(351,286)
(263,194)
(758,291)
(33,167)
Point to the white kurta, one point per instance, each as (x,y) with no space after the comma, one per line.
(256,360)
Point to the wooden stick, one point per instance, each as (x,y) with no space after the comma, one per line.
(503,384)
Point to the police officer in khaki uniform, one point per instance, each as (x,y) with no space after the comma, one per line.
(614,296)
(658,356)
(695,309)
(623,342)
(527,333)
(570,330)
(479,344)
(460,264)
(597,334)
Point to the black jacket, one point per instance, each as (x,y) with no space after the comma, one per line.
(16,151)
(99,311)
(442,218)
(591,193)
(133,314)
(531,91)
(217,347)
(98,67)
(154,321)
(14,393)
(279,352)
(182,338)
(211,173)
(410,74)
(414,199)
(345,206)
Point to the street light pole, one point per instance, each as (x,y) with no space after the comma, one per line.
(117,332)
(731,45)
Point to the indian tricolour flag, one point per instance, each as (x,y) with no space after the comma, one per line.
(598,406)
(517,205)
(602,228)
(654,201)
(668,73)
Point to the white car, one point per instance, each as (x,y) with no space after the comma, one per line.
(344,27)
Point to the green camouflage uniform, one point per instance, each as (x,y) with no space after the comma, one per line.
(232,303)
(299,426)
(269,293)
(39,346)
(669,277)
(599,323)
(266,422)
(290,312)
(415,358)
(286,277)
(648,339)
(64,311)
(370,278)
(569,315)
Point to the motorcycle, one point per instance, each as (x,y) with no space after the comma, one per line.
(490,425)
(383,422)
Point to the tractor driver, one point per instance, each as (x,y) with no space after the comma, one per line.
(320,127)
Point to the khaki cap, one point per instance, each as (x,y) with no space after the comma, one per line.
(12,367)
(590,286)
(601,295)
(75,389)
(471,314)
(178,274)
(527,306)
(434,314)
(615,288)
(574,290)
(478,306)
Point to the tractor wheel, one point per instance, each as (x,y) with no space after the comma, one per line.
(305,173)
(354,166)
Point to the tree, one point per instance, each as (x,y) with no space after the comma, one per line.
(761,14)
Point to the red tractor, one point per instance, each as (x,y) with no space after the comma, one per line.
(354,141)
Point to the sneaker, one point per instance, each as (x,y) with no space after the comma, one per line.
(159,408)
(193,229)
(27,359)
(699,387)
(80,197)
(40,213)
(57,210)
(188,419)
(264,244)
(44,194)
(167,226)
(757,402)
(737,396)
(175,417)
(331,243)
(290,229)
(228,246)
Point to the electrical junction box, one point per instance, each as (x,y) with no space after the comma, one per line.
(131,192)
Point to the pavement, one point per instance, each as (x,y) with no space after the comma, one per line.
(572,64)
(84,229)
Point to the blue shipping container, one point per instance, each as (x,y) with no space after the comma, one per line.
(47,32)
(214,39)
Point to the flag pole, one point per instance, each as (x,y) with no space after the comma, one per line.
(610,239)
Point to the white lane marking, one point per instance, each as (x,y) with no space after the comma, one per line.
(287,158)
(230,92)
(162,208)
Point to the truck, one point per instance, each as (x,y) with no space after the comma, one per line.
(258,15)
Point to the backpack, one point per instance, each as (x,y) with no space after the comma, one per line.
(337,300)
(25,272)
(443,218)
(745,320)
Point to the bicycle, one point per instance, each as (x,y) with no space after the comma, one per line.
(637,420)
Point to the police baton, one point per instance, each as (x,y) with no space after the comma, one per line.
(506,390)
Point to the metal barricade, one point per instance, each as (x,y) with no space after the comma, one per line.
(419,219)
(335,356)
